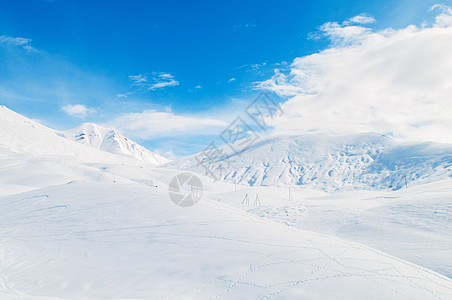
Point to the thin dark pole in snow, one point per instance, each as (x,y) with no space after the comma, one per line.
(246,200)
(257,200)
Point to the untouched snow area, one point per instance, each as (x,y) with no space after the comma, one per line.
(413,224)
(122,241)
(365,161)
(78,222)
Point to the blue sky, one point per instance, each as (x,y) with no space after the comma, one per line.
(66,62)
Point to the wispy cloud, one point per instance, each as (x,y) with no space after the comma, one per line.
(157,81)
(138,79)
(244,26)
(348,32)
(252,67)
(23,43)
(360,19)
(444,19)
(395,82)
(344,35)
(78,110)
(153,124)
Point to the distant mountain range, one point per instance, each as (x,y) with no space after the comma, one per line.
(364,161)
(331,163)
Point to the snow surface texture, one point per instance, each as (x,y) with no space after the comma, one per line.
(413,224)
(366,161)
(78,222)
(106,240)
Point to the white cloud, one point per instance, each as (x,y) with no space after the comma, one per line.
(124,95)
(284,85)
(344,34)
(137,79)
(163,80)
(78,110)
(252,67)
(23,43)
(158,81)
(444,19)
(198,87)
(151,124)
(360,19)
(396,82)
(231,79)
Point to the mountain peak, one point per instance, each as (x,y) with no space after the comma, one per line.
(110,140)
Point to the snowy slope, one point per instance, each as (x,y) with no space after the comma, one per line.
(20,135)
(413,224)
(34,156)
(83,240)
(366,161)
(78,222)
(112,141)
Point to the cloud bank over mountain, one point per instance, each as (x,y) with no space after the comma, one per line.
(394,82)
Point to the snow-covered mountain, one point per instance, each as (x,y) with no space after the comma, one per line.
(34,156)
(365,161)
(21,135)
(110,140)
(79,222)
(94,143)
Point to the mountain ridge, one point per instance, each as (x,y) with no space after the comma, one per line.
(363,161)
(23,135)
(110,140)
